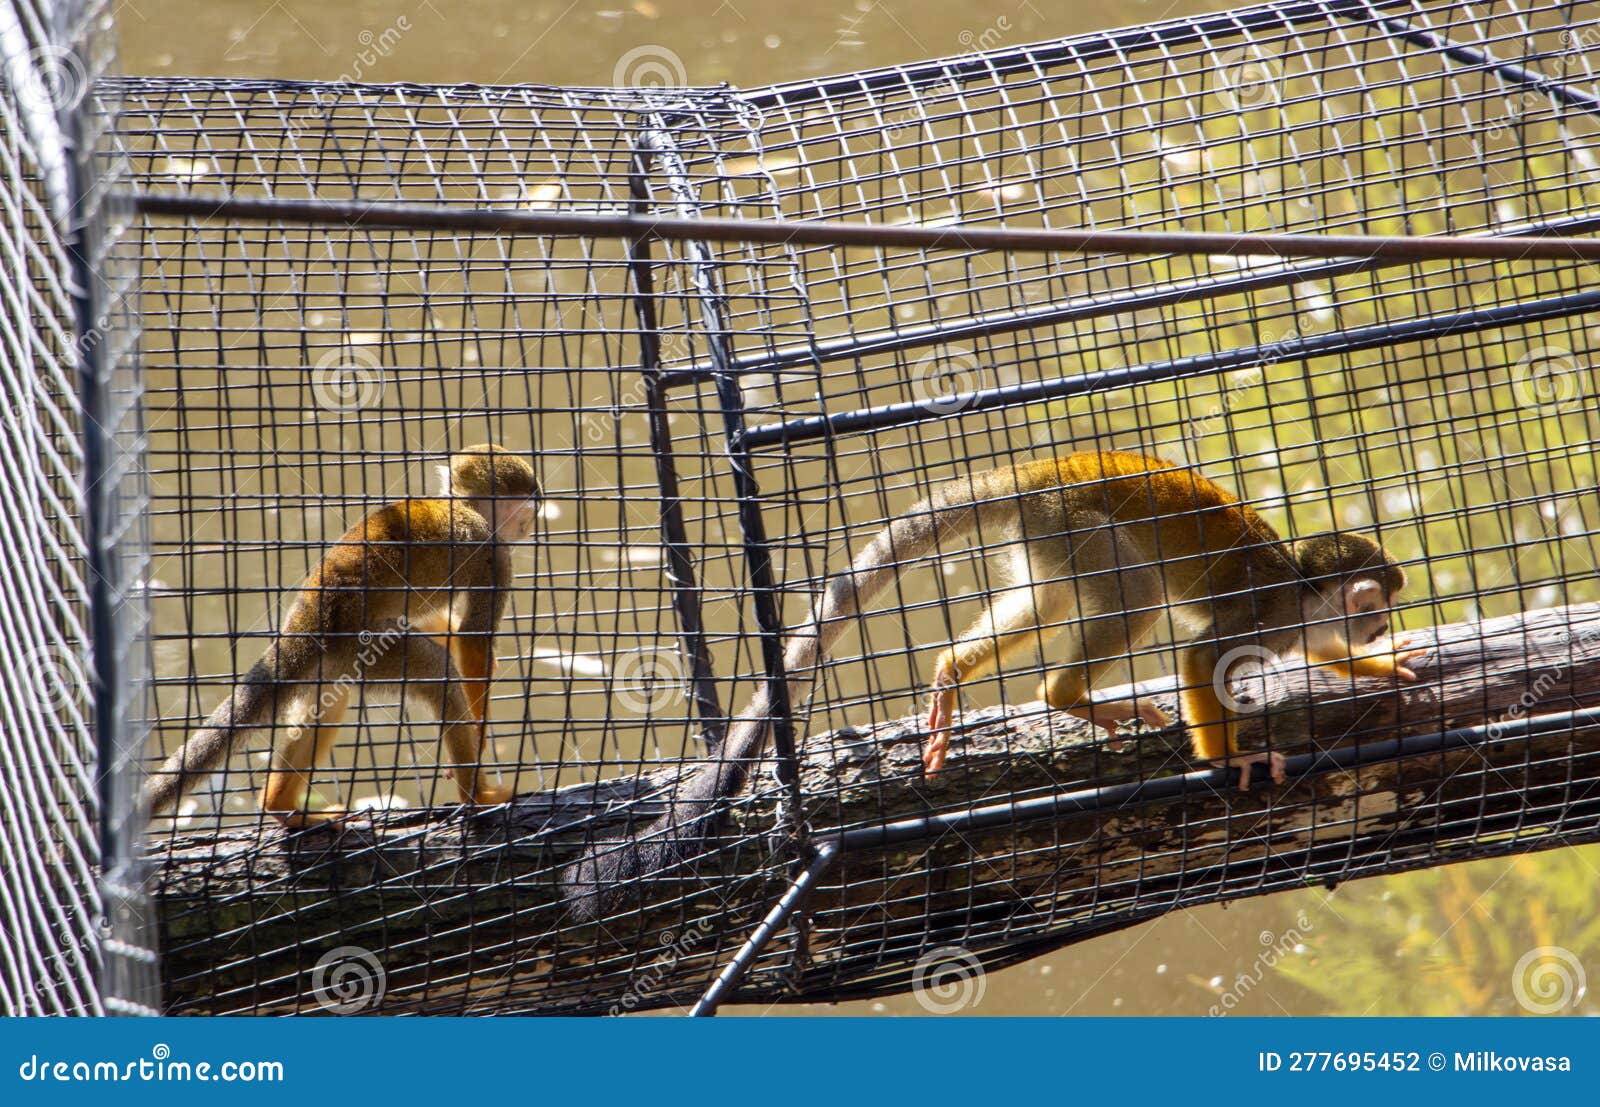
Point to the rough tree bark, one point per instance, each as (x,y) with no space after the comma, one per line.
(459,911)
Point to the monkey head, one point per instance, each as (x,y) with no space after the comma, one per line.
(499,484)
(1350,585)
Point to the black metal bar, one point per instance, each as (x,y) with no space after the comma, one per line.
(894,339)
(730,396)
(1120,797)
(1109,800)
(1318,862)
(680,564)
(819,232)
(1467,55)
(792,900)
(1361,338)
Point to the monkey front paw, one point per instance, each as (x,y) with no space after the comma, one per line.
(1402,656)
(490,795)
(1275,762)
(1393,663)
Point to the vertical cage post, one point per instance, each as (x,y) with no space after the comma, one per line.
(758,553)
(758,559)
(680,565)
(127,961)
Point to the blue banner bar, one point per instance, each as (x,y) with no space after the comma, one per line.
(812,1062)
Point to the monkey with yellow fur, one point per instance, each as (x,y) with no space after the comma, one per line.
(1106,541)
(1103,542)
(411,595)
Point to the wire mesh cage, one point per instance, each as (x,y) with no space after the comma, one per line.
(720,428)
(72,904)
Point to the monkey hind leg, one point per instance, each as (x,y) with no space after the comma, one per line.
(1212,732)
(1117,599)
(428,673)
(1021,618)
(305,742)
(1101,645)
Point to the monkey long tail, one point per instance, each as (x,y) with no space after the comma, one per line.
(249,707)
(609,875)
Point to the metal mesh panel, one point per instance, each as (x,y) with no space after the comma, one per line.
(72,905)
(708,407)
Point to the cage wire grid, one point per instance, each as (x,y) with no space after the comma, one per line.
(698,410)
(74,920)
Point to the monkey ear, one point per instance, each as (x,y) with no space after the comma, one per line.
(445,481)
(1362,595)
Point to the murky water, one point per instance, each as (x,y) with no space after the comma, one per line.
(1188,963)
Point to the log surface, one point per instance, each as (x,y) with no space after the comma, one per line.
(458,913)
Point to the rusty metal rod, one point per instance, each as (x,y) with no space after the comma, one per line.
(621,224)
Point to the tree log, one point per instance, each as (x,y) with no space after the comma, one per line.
(456,913)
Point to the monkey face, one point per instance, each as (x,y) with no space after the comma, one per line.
(1366,608)
(514,519)
(1352,613)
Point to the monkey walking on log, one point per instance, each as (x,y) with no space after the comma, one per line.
(412,595)
(1105,542)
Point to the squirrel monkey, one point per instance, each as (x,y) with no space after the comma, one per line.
(1105,542)
(411,595)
